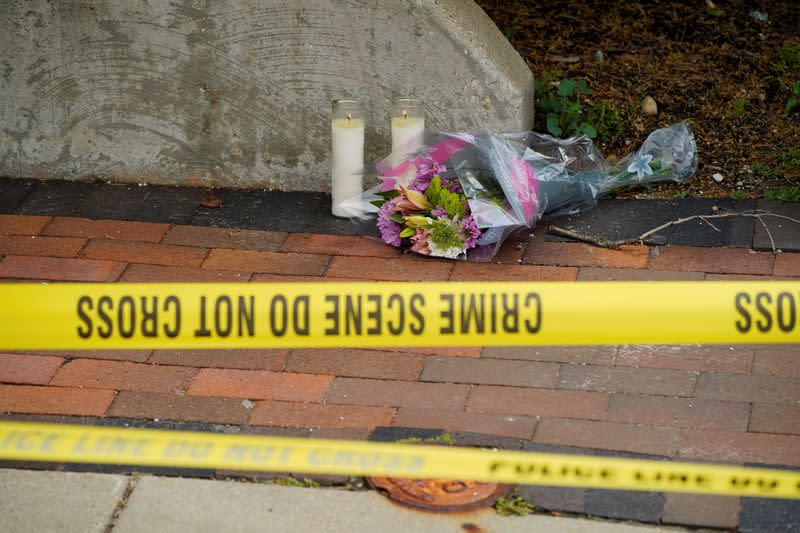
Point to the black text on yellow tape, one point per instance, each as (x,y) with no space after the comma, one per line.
(84,444)
(103,316)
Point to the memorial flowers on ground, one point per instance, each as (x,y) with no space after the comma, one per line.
(462,194)
(430,215)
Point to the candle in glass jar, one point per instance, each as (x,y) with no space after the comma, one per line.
(408,127)
(347,157)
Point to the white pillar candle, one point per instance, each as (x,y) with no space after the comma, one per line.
(347,157)
(408,128)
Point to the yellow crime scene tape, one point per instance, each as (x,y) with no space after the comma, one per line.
(244,315)
(147,447)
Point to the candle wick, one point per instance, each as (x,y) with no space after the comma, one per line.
(349,117)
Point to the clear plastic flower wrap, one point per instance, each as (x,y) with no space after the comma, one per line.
(462,194)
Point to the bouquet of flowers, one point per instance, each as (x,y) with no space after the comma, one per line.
(463,193)
(430,215)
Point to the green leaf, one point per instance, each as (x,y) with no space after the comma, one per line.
(388,195)
(378,203)
(790,104)
(408,232)
(567,88)
(552,124)
(588,130)
(397,217)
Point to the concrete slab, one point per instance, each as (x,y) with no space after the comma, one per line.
(238,92)
(785,233)
(177,505)
(57,501)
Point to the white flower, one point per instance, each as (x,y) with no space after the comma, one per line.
(450,253)
(641,166)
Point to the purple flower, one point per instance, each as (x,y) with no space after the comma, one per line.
(439,212)
(427,168)
(390,230)
(469,231)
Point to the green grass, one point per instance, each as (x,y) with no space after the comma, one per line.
(789,160)
(787,58)
(513,505)
(680,194)
(289,481)
(606,120)
(444,438)
(739,108)
(765,171)
(739,194)
(784,194)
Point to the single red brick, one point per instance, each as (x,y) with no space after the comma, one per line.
(260,385)
(585,255)
(180,408)
(741,447)
(358,391)
(537,402)
(607,436)
(245,239)
(592,355)
(162,274)
(678,412)
(144,252)
(490,372)
(122,375)
(33,369)
(787,264)
(272,262)
(626,274)
(520,427)
(22,224)
(493,272)
(375,268)
(314,415)
(777,360)
(708,358)
(36,245)
(108,229)
(702,510)
(137,356)
(356,363)
(715,260)
(319,243)
(623,379)
(510,252)
(54,400)
(775,418)
(243,359)
(59,269)
(746,388)
(455,351)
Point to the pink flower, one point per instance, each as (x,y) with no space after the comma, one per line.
(420,242)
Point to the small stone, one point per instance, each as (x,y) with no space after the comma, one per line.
(649,106)
(248,404)
(599,55)
(717,177)
(739,183)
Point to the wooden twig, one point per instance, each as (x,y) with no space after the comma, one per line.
(607,243)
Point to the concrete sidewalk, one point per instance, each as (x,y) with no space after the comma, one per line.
(87,502)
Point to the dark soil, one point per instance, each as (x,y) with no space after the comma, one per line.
(713,65)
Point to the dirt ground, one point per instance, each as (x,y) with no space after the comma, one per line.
(714,65)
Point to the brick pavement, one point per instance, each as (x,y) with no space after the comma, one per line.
(737,404)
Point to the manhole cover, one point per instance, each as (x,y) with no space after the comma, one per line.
(438,494)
